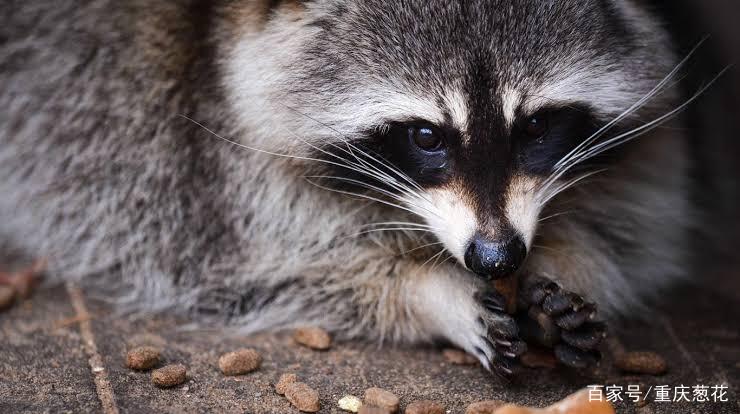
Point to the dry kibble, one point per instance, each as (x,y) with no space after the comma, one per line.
(425,407)
(539,359)
(142,358)
(7,296)
(371,409)
(350,403)
(239,362)
(381,398)
(314,338)
(284,381)
(169,376)
(458,357)
(577,403)
(642,363)
(303,397)
(507,287)
(484,407)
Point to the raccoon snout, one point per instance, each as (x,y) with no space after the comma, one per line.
(495,259)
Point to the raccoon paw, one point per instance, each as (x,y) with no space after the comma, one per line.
(498,346)
(563,321)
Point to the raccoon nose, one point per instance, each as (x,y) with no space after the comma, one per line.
(495,259)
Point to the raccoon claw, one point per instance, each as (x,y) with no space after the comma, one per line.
(501,340)
(564,321)
(576,358)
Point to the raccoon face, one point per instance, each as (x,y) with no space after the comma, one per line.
(458,111)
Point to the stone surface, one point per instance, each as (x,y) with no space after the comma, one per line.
(44,364)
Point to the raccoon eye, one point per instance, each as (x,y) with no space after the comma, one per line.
(426,137)
(537,126)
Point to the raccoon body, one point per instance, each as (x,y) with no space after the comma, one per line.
(367,166)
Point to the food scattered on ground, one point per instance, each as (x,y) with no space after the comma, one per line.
(239,362)
(303,397)
(425,407)
(284,381)
(142,358)
(507,287)
(314,338)
(350,403)
(539,328)
(484,407)
(7,297)
(379,397)
(580,402)
(641,363)
(459,357)
(371,409)
(539,358)
(169,376)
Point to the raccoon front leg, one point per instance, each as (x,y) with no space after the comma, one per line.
(563,320)
(453,304)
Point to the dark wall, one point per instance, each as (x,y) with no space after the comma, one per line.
(713,121)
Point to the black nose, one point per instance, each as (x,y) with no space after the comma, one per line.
(495,260)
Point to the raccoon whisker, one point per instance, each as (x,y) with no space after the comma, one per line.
(420,247)
(637,105)
(372,187)
(566,185)
(643,129)
(365,196)
(562,213)
(449,256)
(396,223)
(379,175)
(350,145)
(388,229)
(433,257)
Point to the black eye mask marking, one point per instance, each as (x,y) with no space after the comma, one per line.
(565,129)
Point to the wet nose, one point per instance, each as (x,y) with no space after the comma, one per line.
(495,259)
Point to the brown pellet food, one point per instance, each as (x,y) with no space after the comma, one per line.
(7,297)
(142,358)
(303,397)
(484,407)
(239,362)
(169,376)
(576,403)
(425,407)
(641,363)
(381,398)
(459,357)
(538,358)
(371,409)
(314,338)
(507,287)
(284,381)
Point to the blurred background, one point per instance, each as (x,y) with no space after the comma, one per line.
(714,126)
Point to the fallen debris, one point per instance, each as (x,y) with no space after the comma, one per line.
(169,376)
(381,398)
(314,338)
(303,397)
(350,403)
(580,402)
(239,362)
(641,363)
(284,381)
(142,358)
(459,357)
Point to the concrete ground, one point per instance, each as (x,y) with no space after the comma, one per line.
(60,351)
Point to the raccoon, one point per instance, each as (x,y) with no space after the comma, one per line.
(369,166)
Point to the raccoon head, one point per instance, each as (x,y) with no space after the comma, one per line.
(461,112)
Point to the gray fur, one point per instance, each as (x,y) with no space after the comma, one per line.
(101,174)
